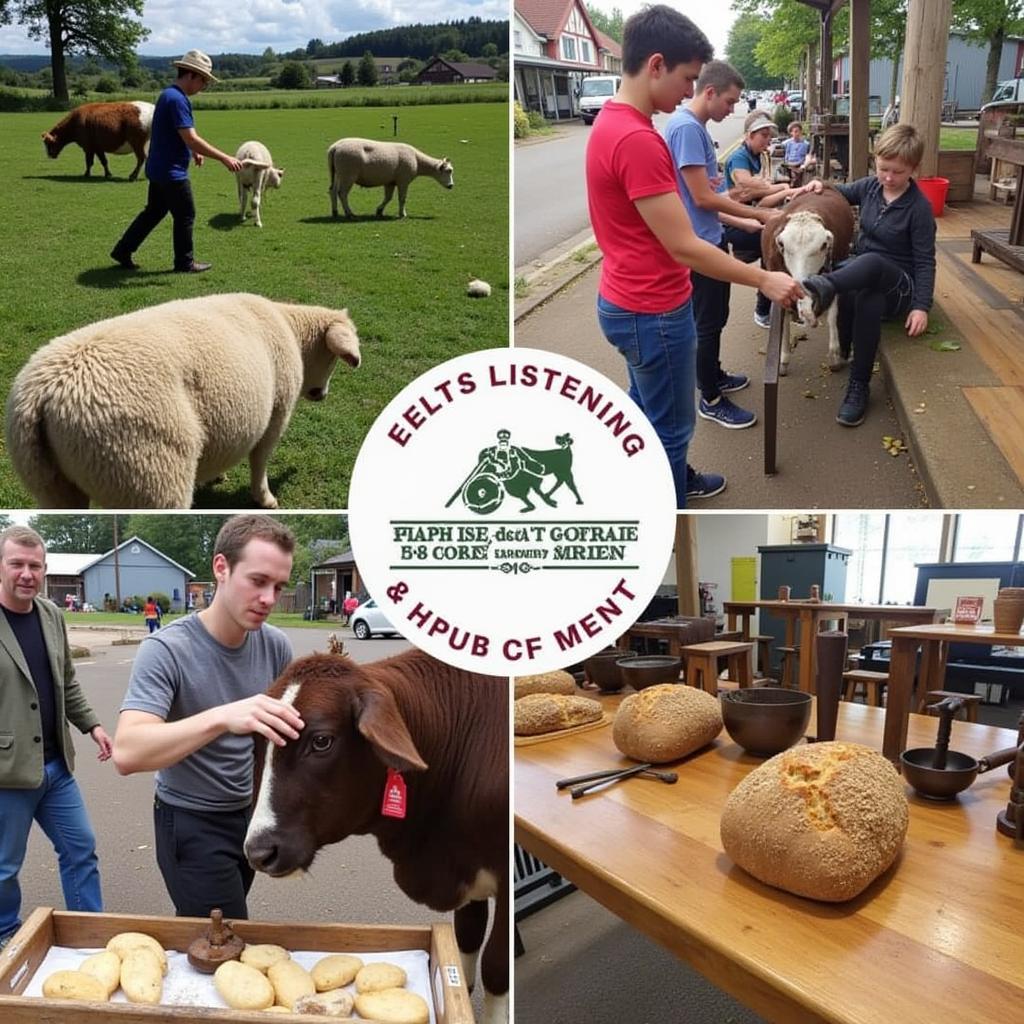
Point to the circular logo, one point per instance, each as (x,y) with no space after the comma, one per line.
(511,511)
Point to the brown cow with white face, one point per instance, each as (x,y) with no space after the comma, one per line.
(446,731)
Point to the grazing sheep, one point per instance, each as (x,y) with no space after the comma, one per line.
(135,411)
(258,172)
(815,230)
(477,289)
(374,164)
(101,128)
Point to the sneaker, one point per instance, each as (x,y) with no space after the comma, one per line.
(821,291)
(124,261)
(726,414)
(703,485)
(855,404)
(193,268)
(732,382)
(763,319)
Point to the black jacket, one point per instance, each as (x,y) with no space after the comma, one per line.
(904,231)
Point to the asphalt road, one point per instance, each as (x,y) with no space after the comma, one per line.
(550,191)
(349,883)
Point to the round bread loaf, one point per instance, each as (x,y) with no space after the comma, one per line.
(538,713)
(822,820)
(547,682)
(666,722)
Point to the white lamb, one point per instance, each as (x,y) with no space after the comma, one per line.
(375,164)
(258,172)
(135,411)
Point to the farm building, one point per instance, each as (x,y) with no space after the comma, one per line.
(141,569)
(554,49)
(333,578)
(438,71)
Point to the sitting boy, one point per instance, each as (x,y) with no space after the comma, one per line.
(797,156)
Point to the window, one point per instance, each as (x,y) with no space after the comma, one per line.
(517,38)
(913,537)
(568,48)
(862,534)
(986,537)
(585,51)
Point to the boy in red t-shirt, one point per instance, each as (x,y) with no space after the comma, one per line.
(648,243)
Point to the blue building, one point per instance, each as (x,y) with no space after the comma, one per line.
(141,569)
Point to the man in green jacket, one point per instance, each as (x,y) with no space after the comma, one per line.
(39,696)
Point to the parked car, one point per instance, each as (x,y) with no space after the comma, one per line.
(595,92)
(368,621)
(1008,94)
(795,101)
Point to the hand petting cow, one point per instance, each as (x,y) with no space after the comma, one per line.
(814,232)
(414,752)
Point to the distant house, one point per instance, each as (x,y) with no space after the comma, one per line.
(438,71)
(611,53)
(141,569)
(554,46)
(333,579)
(387,71)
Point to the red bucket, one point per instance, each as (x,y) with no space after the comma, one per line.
(935,190)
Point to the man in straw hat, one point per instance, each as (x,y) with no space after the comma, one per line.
(173,142)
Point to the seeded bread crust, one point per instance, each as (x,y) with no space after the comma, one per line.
(666,722)
(558,681)
(538,713)
(822,820)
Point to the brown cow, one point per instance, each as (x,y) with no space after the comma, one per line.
(814,231)
(447,731)
(101,128)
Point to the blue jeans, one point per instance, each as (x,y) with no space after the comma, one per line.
(57,806)
(660,352)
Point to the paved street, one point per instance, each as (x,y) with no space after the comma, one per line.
(550,191)
(349,883)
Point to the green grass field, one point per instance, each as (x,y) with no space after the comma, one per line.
(403,281)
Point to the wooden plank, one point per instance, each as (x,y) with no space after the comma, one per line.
(1001,410)
(773,353)
(860,59)
(1010,150)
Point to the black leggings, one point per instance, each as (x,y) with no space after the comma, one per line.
(710,313)
(871,289)
(175,198)
(746,247)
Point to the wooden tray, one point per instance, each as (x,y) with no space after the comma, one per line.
(525,741)
(46,927)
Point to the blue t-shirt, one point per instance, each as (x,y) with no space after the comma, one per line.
(692,146)
(168,155)
(796,152)
(741,159)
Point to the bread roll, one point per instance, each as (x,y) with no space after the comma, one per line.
(243,987)
(106,967)
(666,722)
(393,1006)
(125,941)
(379,975)
(538,713)
(337,1003)
(263,955)
(822,820)
(142,979)
(335,970)
(75,985)
(291,981)
(547,682)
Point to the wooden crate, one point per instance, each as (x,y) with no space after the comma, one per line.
(46,927)
(958,167)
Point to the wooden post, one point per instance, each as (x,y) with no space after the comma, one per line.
(686,565)
(825,92)
(860,58)
(924,75)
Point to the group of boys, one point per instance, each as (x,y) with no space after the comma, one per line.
(665,219)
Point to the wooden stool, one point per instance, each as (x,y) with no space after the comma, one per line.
(970,708)
(764,643)
(702,663)
(873,683)
(789,656)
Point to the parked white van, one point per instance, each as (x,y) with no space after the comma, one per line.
(595,91)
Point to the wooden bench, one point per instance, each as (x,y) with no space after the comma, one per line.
(969,710)
(702,663)
(873,683)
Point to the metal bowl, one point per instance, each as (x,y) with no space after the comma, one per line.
(765,720)
(938,783)
(644,670)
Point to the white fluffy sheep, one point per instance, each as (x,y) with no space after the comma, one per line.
(258,172)
(135,411)
(375,164)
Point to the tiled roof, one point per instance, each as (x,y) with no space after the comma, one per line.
(607,43)
(546,17)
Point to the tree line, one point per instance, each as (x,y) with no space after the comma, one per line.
(470,36)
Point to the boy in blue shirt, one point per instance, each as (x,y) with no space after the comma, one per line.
(172,143)
(693,153)
(797,157)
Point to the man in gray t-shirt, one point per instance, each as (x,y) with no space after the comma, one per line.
(195,697)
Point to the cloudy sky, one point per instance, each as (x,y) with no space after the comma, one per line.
(713,19)
(250,26)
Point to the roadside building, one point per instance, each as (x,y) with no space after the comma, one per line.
(438,71)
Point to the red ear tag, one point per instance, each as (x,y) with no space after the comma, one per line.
(393,805)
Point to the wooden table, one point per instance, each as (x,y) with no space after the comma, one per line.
(937,938)
(675,632)
(804,619)
(1006,245)
(933,640)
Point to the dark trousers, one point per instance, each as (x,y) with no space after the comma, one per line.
(165,197)
(870,289)
(746,247)
(200,856)
(710,314)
